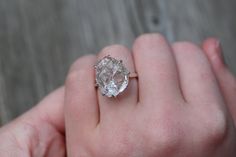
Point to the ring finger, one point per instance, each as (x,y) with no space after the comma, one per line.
(126,99)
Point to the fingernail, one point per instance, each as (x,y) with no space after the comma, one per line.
(219,51)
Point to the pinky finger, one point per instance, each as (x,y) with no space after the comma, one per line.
(226,79)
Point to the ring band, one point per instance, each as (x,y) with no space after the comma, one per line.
(133,75)
(112,77)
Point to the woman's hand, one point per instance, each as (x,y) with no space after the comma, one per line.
(177,107)
(174,109)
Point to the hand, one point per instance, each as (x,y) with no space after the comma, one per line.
(174,109)
(184,115)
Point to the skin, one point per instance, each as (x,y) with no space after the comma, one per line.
(183,104)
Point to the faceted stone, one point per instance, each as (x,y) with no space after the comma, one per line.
(111,76)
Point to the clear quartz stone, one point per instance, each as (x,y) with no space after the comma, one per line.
(111,76)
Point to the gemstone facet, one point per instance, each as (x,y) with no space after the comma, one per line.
(112,77)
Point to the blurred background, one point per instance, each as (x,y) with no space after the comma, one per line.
(39,39)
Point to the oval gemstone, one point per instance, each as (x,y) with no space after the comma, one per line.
(112,77)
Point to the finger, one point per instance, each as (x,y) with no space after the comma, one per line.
(226,80)
(198,82)
(126,99)
(156,66)
(81,108)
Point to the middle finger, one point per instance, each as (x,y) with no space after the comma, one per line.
(156,66)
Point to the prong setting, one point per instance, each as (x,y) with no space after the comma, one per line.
(112,77)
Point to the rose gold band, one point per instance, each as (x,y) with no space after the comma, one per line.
(133,75)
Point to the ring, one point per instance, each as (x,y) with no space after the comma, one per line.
(112,77)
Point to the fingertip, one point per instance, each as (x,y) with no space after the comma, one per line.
(81,61)
(212,48)
(210,45)
(148,40)
(186,46)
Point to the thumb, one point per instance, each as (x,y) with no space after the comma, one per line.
(40,131)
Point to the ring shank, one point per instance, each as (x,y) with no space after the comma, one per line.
(133,75)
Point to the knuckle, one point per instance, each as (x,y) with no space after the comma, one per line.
(166,134)
(112,48)
(18,140)
(31,132)
(215,129)
(33,138)
(149,39)
(117,143)
(117,147)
